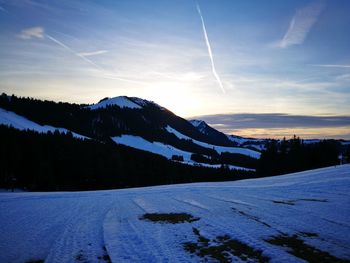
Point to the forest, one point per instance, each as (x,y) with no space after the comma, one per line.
(59,162)
(287,156)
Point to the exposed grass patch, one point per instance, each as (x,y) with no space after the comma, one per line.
(298,248)
(105,256)
(222,248)
(80,256)
(171,218)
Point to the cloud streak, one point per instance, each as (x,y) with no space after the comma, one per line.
(39,32)
(331,66)
(209,50)
(102,70)
(32,32)
(93,53)
(273,120)
(301,24)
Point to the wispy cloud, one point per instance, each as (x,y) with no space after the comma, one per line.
(209,50)
(301,24)
(331,65)
(2,9)
(105,73)
(93,53)
(39,32)
(278,125)
(32,32)
(274,120)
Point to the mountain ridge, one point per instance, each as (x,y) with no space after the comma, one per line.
(112,118)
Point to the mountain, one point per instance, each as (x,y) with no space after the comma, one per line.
(128,142)
(251,143)
(130,121)
(212,133)
(122,102)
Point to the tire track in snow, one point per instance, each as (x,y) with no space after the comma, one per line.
(234,201)
(193,203)
(122,240)
(294,225)
(82,238)
(129,239)
(214,224)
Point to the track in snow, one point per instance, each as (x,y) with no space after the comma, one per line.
(104,226)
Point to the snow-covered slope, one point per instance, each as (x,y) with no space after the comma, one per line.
(259,144)
(16,121)
(200,125)
(212,134)
(121,101)
(153,147)
(219,149)
(196,123)
(165,150)
(311,208)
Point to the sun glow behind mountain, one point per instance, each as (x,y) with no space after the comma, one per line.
(274,57)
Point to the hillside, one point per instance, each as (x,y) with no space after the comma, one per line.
(279,219)
(113,119)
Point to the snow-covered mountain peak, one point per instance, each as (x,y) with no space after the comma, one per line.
(143,102)
(197,123)
(121,101)
(201,126)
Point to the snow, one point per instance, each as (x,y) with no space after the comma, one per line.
(200,125)
(196,123)
(144,103)
(237,139)
(154,147)
(165,150)
(77,226)
(121,101)
(242,140)
(18,122)
(219,149)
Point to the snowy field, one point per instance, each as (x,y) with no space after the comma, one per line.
(277,219)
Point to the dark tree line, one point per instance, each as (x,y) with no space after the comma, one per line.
(55,162)
(286,156)
(226,158)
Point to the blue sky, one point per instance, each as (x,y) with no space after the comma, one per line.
(290,57)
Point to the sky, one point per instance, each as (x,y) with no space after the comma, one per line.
(289,60)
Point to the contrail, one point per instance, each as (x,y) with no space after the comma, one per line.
(209,50)
(72,51)
(107,75)
(331,66)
